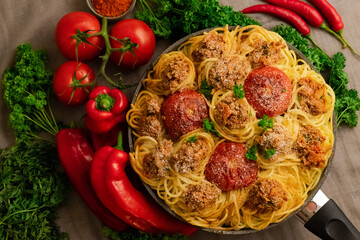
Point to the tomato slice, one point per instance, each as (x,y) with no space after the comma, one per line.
(268,91)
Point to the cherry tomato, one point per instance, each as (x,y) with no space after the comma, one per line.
(138,32)
(66,28)
(268,91)
(69,87)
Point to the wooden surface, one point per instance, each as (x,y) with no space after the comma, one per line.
(34,21)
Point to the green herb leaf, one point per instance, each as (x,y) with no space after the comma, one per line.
(269,153)
(178,18)
(26,87)
(192,138)
(209,127)
(238,91)
(32,189)
(206,89)
(251,153)
(266,123)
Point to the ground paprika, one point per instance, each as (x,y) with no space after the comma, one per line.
(76,155)
(111,8)
(117,193)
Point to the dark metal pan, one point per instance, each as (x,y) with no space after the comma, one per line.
(326,220)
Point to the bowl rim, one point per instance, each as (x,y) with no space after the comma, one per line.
(131,140)
(91,7)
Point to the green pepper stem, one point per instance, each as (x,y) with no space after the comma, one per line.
(340,37)
(120,142)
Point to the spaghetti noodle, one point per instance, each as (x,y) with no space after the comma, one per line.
(288,167)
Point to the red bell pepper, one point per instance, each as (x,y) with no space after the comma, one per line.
(115,190)
(109,138)
(105,109)
(76,154)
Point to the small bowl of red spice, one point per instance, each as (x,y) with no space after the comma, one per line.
(111,9)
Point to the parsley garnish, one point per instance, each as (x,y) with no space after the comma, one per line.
(347,101)
(182,17)
(192,138)
(206,89)
(209,127)
(266,123)
(283,90)
(32,189)
(252,153)
(238,91)
(269,153)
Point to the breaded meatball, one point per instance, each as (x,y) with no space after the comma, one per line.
(266,196)
(274,138)
(198,197)
(190,157)
(308,146)
(232,112)
(156,163)
(150,126)
(175,73)
(265,54)
(312,96)
(213,45)
(228,72)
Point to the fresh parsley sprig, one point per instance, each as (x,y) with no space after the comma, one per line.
(347,101)
(251,153)
(209,127)
(238,91)
(266,122)
(206,89)
(192,138)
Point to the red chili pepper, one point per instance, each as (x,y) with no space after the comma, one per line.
(285,14)
(304,10)
(335,21)
(330,14)
(105,109)
(76,155)
(115,190)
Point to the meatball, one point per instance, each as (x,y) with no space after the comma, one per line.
(276,138)
(232,112)
(228,72)
(150,126)
(312,96)
(265,54)
(198,197)
(175,73)
(156,163)
(309,147)
(153,106)
(213,45)
(190,156)
(266,196)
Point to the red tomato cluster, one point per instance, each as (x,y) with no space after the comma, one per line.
(73,40)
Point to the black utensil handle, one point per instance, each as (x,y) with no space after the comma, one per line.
(330,223)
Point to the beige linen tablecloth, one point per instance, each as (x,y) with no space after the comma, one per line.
(34,21)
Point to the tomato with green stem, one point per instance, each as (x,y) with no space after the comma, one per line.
(138,32)
(73,82)
(72,36)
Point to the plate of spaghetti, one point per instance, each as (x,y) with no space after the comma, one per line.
(231,129)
